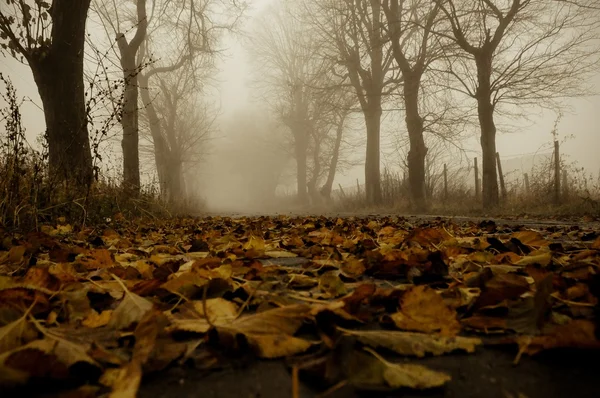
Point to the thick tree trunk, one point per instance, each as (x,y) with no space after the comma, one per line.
(314,179)
(328,186)
(301,149)
(129,117)
(161,148)
(174,181)
(418,150)
(485,110)
(58,73)
(372,161)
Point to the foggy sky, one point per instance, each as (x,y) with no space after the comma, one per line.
(234,94)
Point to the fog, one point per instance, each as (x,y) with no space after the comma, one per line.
(249,166)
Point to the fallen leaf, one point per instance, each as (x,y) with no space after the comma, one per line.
(415,344)
(16,334)
(579,333)
(423,310)
(372,372)
(132,309)
(270,332)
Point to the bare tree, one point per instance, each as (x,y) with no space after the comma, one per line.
(526,53)
(295,81)
(415,47)
(50,38)
(361,48)
(186,126)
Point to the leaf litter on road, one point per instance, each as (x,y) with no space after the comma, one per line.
(348,294)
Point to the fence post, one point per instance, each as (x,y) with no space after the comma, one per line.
(501,177)
(526,178)
(476,181)
(445,182)
(357,187)
(565,185)
(556,173)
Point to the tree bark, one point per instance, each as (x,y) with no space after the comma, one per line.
(58,73)
(328,186)
(129,118)
(418,150)
(161,148)
(485,111)
(301,149)
(372,161)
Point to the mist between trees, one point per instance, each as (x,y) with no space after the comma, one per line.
(327,77)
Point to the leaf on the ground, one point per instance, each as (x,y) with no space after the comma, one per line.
(186,284)
(331,284)
(16,334)
(270,333)
(580,333)
(280,254)
(131,310)
(543,258)
(415,344)
(96,320)
(352,268)
(531,238)
(372,372)
(97,259)
(423,310)
(129,377)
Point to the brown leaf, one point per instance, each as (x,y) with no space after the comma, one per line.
(423,310)
(132,309)
(95,320)
(16,334)
(372,372)
(531,238)
(576,334)
(270,332)
(416,344)
(97,259)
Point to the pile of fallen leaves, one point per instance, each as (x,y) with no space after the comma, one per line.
(94,310)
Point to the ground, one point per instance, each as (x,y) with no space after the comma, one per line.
(302,306)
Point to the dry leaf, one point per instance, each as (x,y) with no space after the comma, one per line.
(372,372)
(416,344)
(16,334)
(423,310)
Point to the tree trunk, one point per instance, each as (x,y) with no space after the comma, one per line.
(372,166)
(301,149)
(485,110)
(418,150)
(328,186)
(174,181)
(129,117)
(161,148)
(314,178)
(58,73)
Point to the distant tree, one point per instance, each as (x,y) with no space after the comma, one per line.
(359,45)
(50,38)
(186,126)
(526,53)
(298,86)
(414,46)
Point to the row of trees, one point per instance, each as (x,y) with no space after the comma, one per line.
(164,51)
(449,63)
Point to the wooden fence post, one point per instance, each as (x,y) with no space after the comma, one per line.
(445,182)
(556,173)
(501,177)
(565,185)
(526,178)
(476,181)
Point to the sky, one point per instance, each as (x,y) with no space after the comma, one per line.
(578,130)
